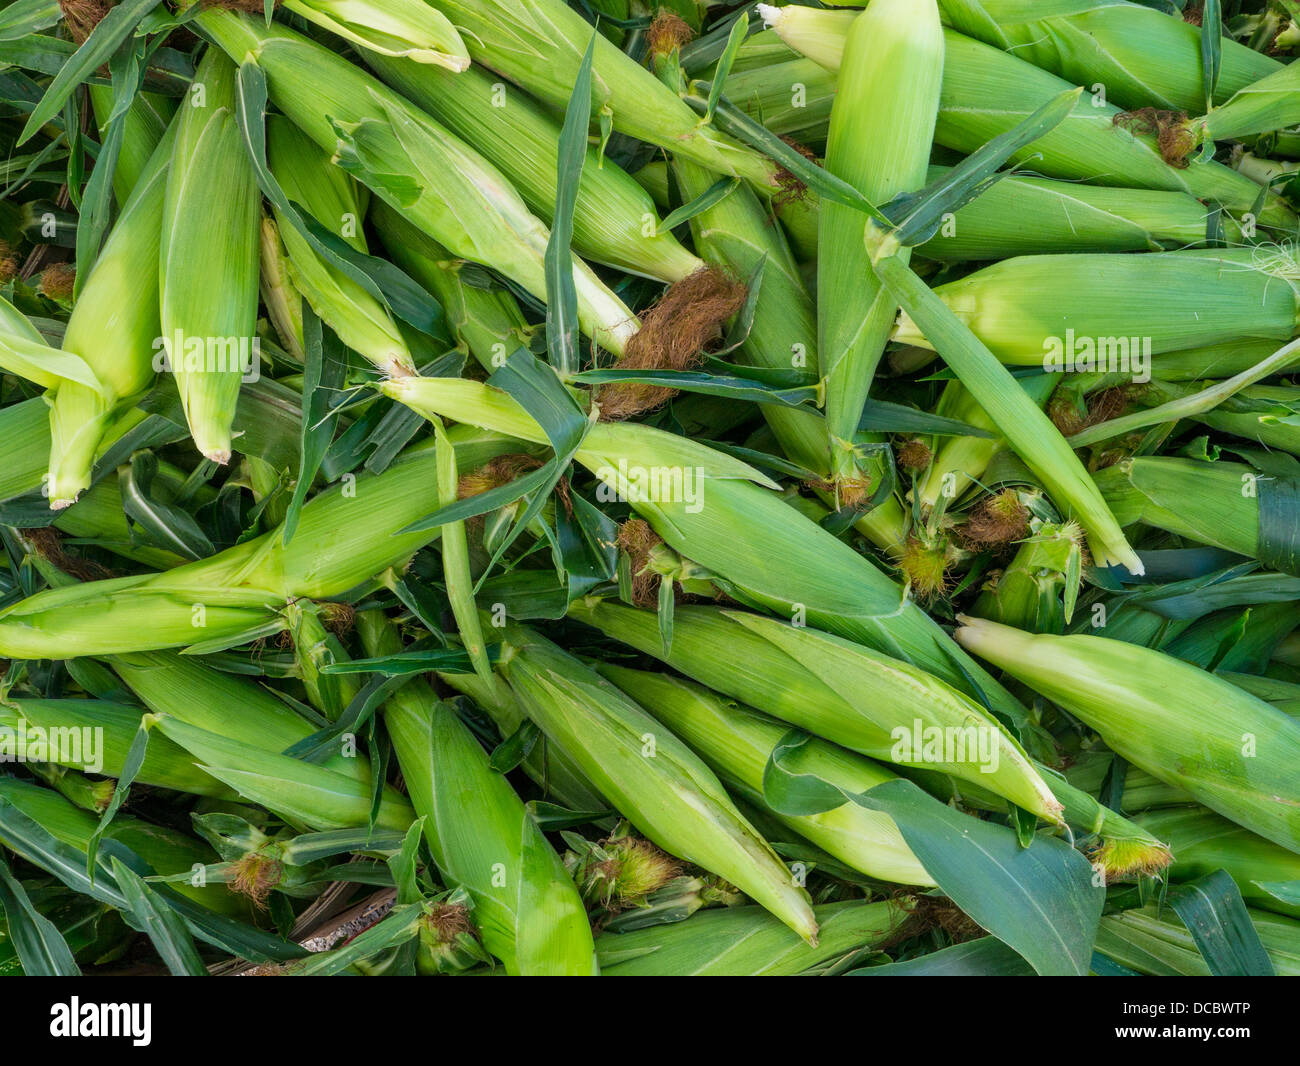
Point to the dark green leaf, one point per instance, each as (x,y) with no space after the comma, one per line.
(735,38)
(737,388)
(1212,909)
(920,214)
(1039,900)
(135,756)
(562,339)
(324,373)
(986,957)
(162,925)
(710,197)
(166,525)
(103,41)
(512,751)
(40,946)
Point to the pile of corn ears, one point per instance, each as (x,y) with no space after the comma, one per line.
(649,487)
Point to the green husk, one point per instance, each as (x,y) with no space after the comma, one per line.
(328,194)
(645,771)
(846,693)
(737,235)
(1271,103)
(959,462)
(1024,215)
(746,942)
(209,301)
(1154,941)
(1142,791)
(484,317)
(1213,503)
(431,177)
(760,549)
(880,139)
(483,839)
(1143,56)
(540,44)
(63,725)
(146,121)
(184,687)
(348,534)
(552,768)
(1037,589)
(410,30)
(1231,751)
(1028,431)
(615,222)
(987,92)
(736,742)
(166,850)
(301,792)
(106,362)
(1111,312)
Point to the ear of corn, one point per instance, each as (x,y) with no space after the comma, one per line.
(654,779)
(209,301)
(553,769)
(1020,215)
(112,330)
(167,851)
(797,568)
(541,44)
(346,536)
(60,728)
(737,235)
(146,121)
(421,169)
(404,29)
(302,792)
(615,222)
(1231,751)
(758,673)
(882,704)
(186,688)
(482,838)
(1101,311)
(987,92)
(736,742)
(1203,842)
(769,93)
(1143,57)
(1029,432)
(879,142)
(1213,503)
(1023,215)
(1037,589)
(746,942)
(315,649)
(309,179)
